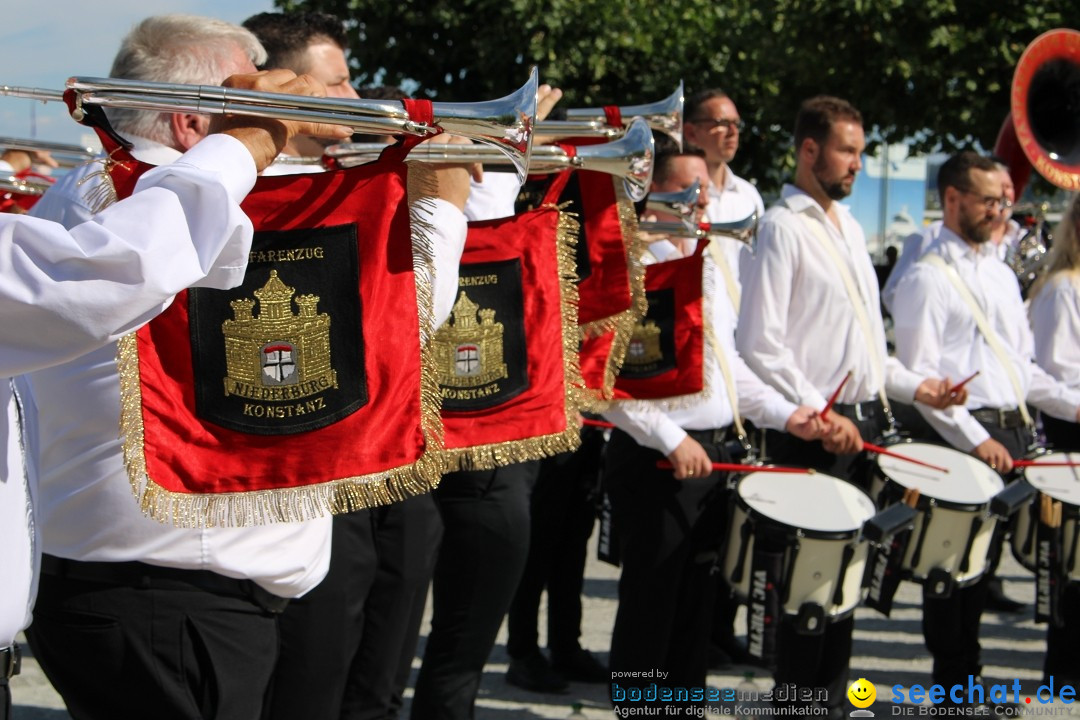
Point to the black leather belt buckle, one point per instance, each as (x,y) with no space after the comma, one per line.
(10,662)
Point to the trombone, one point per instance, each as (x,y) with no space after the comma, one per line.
(664,115)
(65,155)
(31,187)
(506,123)
(630,157)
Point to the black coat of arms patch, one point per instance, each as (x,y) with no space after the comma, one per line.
(284,352)
(480,352)
(651,351)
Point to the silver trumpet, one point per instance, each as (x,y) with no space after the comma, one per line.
(630,157)
(680,203)
(744,230)
(665,115)
(506,123)
(65,155)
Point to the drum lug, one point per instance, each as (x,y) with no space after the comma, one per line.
(810,620)
(939,584)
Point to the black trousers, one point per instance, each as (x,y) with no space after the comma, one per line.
(668,533)
(168,651)
(951,625)
(1063,643)
(563,513)
(823,661)
(5,700)
(485,543)
(343,644)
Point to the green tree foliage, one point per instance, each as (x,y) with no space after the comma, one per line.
(938,71)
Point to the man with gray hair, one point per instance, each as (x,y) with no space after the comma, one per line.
(135,618)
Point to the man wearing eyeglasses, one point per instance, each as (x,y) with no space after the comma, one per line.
(937,332)
(713,125)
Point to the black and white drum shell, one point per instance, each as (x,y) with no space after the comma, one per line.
(1060,483)
(820,516)
(950,505)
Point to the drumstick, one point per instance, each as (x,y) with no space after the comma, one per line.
(832,400)
(911,497)
(882,451)
(735,467)
(1052,463)
(960,385)
(597,423)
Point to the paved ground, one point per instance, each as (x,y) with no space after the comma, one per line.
(888,651)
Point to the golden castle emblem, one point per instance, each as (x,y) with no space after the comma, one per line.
(278,355)
(644,347)
(468,351)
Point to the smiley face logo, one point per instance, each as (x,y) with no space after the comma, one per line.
(862,693)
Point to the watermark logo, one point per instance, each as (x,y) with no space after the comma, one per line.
(862,695)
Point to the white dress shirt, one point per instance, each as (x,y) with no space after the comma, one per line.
(936,335)
(914,246)
(797,328)
(736,200)
(1055,325)
(664,431)
(63,293)
(493,197)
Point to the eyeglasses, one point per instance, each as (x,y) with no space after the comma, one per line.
(725,123)
(989,202)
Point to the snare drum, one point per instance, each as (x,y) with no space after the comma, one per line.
(817,519)
(1060,483)
(954,528)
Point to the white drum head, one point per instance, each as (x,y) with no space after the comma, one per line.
(1060,483)
(814,502)
(969,481)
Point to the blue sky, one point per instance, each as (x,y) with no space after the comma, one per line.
(45,43)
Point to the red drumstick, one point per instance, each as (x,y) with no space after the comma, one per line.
(734,467)
(597,423)
(882,451)
(960,385)
(832,400)
(1053,463)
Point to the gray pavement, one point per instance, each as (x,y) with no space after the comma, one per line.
(888,651)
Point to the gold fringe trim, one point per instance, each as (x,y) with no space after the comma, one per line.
(486,457)
(257,507)
(710,367)
(102,192)
(622,324)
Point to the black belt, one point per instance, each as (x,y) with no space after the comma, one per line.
(1004,418)
(10,662)
(142,575)
(724,439)
(717,437)
(860,410)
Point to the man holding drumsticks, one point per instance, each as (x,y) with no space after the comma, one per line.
(810,315)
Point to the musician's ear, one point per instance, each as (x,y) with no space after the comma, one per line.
(188,129)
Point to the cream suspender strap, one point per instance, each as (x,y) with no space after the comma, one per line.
(729,384)
(717,255)
(857,303)
(984,327)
